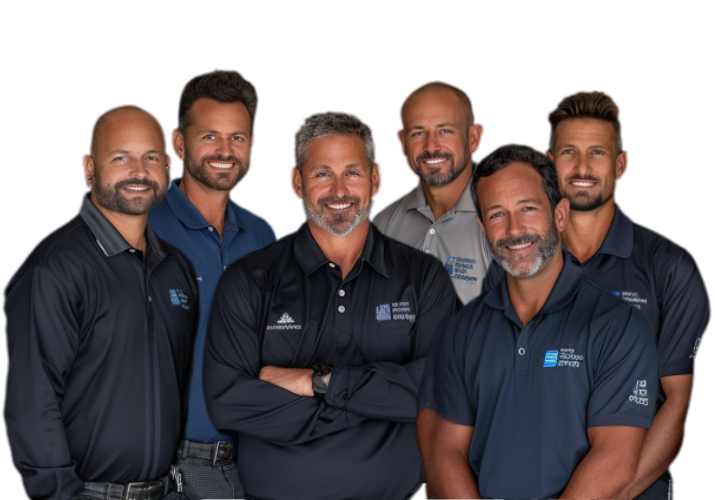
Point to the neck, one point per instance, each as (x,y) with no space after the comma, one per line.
(528,295)
(441,199)
(131,227)
(586,231)
(210,203)
(342,250)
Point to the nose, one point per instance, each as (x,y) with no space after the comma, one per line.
(223,147)
(338,188)
(431,143)
(140,168)
(514,225)
(582,166)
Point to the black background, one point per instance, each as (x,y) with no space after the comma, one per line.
(665,125)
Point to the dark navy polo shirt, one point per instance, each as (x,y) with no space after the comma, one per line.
(289,306)
(178,222)
(100,343)
(587,359)
(656,276)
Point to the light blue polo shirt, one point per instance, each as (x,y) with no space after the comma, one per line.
(178,222)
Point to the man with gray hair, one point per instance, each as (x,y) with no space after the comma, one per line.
(315,347)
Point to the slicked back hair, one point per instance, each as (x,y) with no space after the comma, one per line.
(461,95)
(596,105)
(505,156)
(102,120)
(330,124)
(221,86)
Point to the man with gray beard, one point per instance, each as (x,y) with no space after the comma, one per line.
(316,344)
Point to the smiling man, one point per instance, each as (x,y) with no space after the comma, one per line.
(438,138)
(640,266)
(316,344)
(101,321)
(214,139)
(545,385)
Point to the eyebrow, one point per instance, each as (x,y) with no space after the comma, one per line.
(126,152)
(533,201)
(216,132)
(420,127)
(574,145)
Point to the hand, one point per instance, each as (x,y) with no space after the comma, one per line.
(296,380)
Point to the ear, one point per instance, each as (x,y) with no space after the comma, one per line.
(250,142)
(177,139)
(401,135)
(475,135)
(88,164)
(297,182)
(168,161)
(561,215)
(481,225)
(549,155)
(621,164)
(375,179)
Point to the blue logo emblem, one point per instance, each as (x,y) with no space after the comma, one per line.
(449,265)
(551,358)
(616,293)
(382,312)
(174,297)
(178,298)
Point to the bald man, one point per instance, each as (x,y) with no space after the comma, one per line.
(100,322)
(438,138)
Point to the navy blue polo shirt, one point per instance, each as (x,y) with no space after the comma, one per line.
(178,222)
(658,277)
(587,359)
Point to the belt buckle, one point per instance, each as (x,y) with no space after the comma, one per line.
(218,448)
(128,488)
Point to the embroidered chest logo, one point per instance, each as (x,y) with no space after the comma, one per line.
(565,357)
(462,269)
(395,311)
(632,298)
(178,298)
(640,393)
(285,322)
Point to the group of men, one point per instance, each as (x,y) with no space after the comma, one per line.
(163,345)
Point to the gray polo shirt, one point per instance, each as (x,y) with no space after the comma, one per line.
(455,239)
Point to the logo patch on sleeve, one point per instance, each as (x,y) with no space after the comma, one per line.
(640,393)
(178,298)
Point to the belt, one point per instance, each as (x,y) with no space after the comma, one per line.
(221,451)
(144,490)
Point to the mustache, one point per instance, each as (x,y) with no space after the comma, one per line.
(433,156)
(334,199)
(518,240)
(581,178)
(136,181)
(231,159)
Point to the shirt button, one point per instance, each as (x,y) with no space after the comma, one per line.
(431,231)
(331,264)
(522,351)
(131,250)
(341,293)
(149,298)
(211,229)
(341,309)
(426,251)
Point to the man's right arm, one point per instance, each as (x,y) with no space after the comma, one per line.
(447,468)
(42,342)
(236,398)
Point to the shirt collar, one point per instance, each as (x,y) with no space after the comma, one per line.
(619,238)
(311,257)
(187,213)
(108,238)
(565,288)
(416,200)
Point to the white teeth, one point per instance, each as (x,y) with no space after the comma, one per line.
(583,184)
(137,188)
(435,161)
(338,206)
(520,246)
(220,165)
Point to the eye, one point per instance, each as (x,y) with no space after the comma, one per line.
(598,152)
(447,131)
(353,172)
(237,138)
(321,174)
(418,133)
(528,209)
(496,215)
(152,158)
(120,158)
(209,137)
(567,151)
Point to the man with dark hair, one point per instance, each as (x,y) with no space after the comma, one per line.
(640,266)
(101,322)
(438,138)
(214,138)
(316,344)
(543,385)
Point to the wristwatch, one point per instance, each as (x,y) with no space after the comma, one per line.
(321,377)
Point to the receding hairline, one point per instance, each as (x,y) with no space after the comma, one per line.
(441,87)
(101,124)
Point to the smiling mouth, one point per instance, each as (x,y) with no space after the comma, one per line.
(435,161)
(220,165)
(583,184)
(338,206)
(520,246)
(137,189)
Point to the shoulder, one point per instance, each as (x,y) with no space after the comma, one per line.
(273,256)
(252,221)
(647,244)
(383,219)
(610,314)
